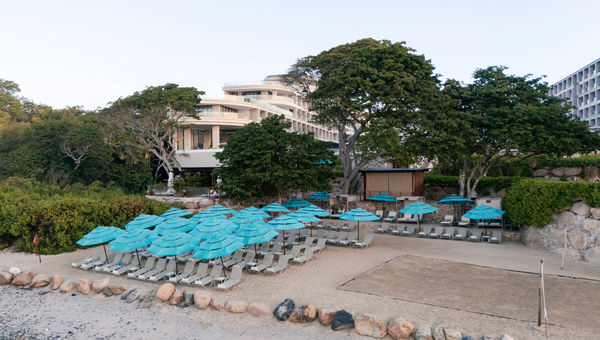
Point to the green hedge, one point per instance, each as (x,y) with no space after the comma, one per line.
(61,217)
(554,162)
(532,202)
(495,183)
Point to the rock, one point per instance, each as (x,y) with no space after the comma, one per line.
(325,316)
(23,279)
(490,337)
(590,172)
(126,293)
(66,287)
(236,306)
(595,213)
(566,172)
(116,289)
(557,236)
(177,297)
(165,291)
(370,325)
(218,303)
(83,286)
(541,173)
(147,300)
(304,313)
(283,310)
(468,337)
(398,328)
(579,240)
(591,225)
(5,278)
(423,332)
(581,209)
(99,285)
(40,280)
(506,337)
(190,205)
(259,309)
(592,255)
(188,300)
(342,320)
(437,332)
(55,281)
(202,299)
(452,334)
(14,271)
(107,292)
(567,220)
(132,296)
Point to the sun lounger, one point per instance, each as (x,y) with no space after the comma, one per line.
(405,218)
(169,271)
(276,250)
(237,257)
(280,266)
(219,260)
(448,233)
(391,217)
(342,235)
(199,274)
(331,236)
(349,226)
(291,238)
(132,266)
(349,240)
(247,259)
(234,278)
(279,238)
(147,267)
(364,243)
(496,236)
(447,222)
(384,228)
(320,245)
(215,272)
(464,222)
(425,231)
(100,261)
(461,234)
(495,223)
(161,264)
(398,230)
(116,259)
(264,248)
(436,232)
(188,269)
(308,242)
(320,233)
(379,213)
(306,256)
(266,263)
(126,260)
(95,257)
(336,226)
(295,250)
(409,230)
(304,232)
(475,235)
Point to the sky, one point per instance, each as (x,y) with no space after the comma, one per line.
(89,53)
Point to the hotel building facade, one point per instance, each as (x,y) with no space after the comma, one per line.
(200,139)
(582,89)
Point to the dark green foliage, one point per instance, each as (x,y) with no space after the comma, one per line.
(555,162)
(61,217)
(263,160)
(532,202)
(488,182)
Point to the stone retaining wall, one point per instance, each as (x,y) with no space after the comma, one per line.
(587,173)
(574,230)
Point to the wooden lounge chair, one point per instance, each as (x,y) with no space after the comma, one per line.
(266,263)
(351,238)
(436,232)
(187,271)
(365,242)
(95,257)
(247,259)
(385,226)
(391,217)
(170,270)
(464,222)
(409,230)
(306,256)
(234,278)
(320,245)
(130,267)
(496,236)
(160,266)
(116,259)
(461,234)
(475,235)
(150,261)
(448,220)
(237,257)
(425,231)
(448,233)
(379,213)
(199,274)
(280,266)
(215,272)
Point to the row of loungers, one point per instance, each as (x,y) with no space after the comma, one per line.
(450,233)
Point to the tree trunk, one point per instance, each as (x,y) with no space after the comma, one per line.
(170,187)
(350,164)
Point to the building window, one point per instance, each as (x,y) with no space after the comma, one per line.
(204,108)
(197,139)
(228,109)
(251,93)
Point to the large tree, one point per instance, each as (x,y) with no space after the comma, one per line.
(497,118)
(264,160)
(368,84)
(146,121)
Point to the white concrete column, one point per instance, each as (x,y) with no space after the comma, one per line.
(187,139)
(216,136)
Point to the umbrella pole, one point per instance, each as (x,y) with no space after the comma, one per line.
(223,266)
(138,257)
(358,235)
(176,270)
(106,255)
(283,231)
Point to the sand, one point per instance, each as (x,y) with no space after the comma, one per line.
(327,281)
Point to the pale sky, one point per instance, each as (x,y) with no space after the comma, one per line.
(88,53)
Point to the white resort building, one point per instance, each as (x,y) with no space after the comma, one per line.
(241,105)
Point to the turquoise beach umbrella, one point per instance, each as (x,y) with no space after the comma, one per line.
(358,215)
(217,245)
(483,212)
(174,224)
(284,223)
(209,227)
(256,233)
(383,197)
(319,196)
(418,208)
(314,210)
(176,212)
(296,203)
(243,218)
(172,244)
(223,210)
(455,200)
(100,235)
(275,207)
(132,240)
(144,222)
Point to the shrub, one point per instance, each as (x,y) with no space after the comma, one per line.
(532,202)
(495,183)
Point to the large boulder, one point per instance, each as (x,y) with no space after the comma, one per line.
(581,209)
(202,299)
(556,236)
(14,271)
(40,280)
(5,278)
(398,328)
(99,285)
(283,310)
(116,289)
(342,320)
(541,172)
(437,332)
(66,287)
(165,291)
(107,292)
(236,306)
(579,240)
(83,286)
(568,220)
(423,332)
(370,325)
(218,303)
(452,334)
(188,300)
(127,292)
(177,297)
(23,279)
(55,281)
(507,337)
(566,172)
(146,300)
(591,225)
(592,255)
(259,309)
(132,296)
(304,313)
(595,213)
(325,316)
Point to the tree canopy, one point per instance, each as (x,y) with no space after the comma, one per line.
(264,160)
(363,89)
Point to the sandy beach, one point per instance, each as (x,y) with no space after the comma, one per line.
(480,288)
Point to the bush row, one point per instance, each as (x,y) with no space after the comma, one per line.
(495,183)
(60,217)
(532,202)
(554,162)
